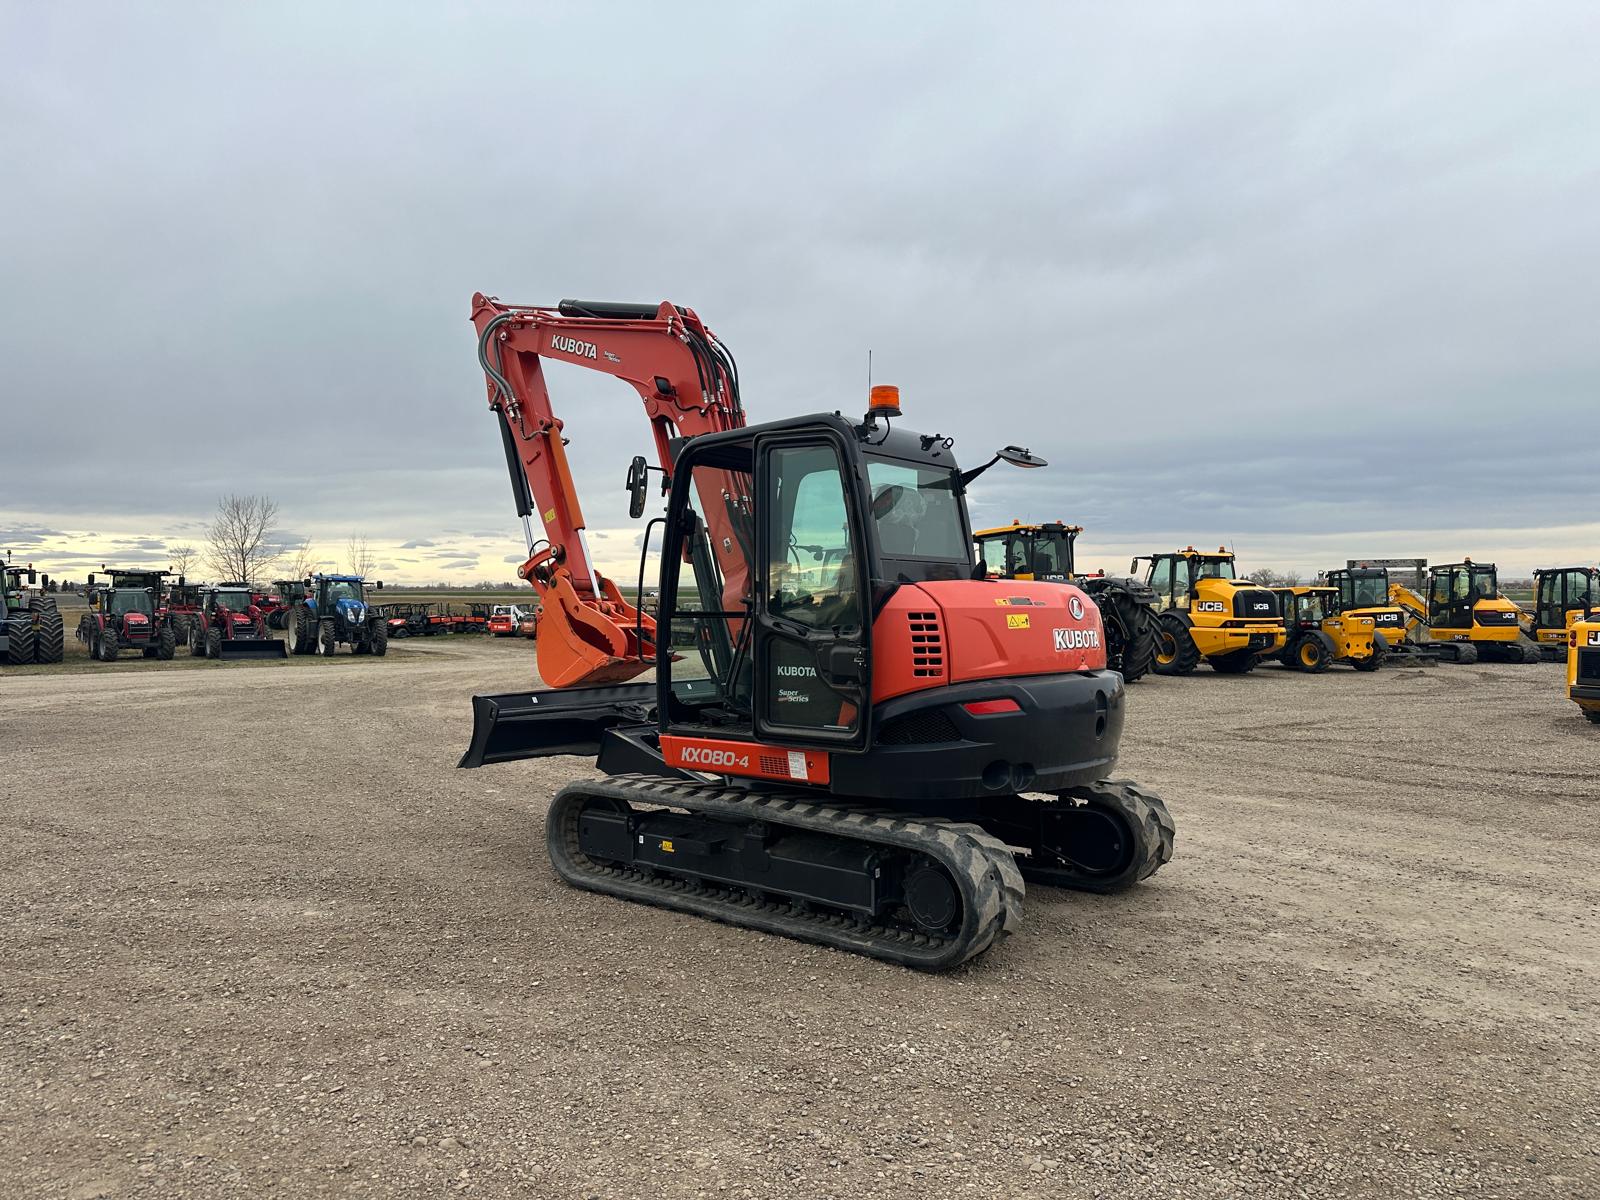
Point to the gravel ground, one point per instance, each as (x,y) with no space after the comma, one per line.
(261,938)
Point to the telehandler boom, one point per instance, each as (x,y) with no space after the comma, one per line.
(864,743)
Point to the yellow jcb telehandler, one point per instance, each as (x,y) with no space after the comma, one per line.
(1207,612)
(1321,635)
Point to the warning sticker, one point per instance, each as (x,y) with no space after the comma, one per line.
(1016,620)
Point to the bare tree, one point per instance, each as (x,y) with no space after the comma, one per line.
(183,558)
(302,560)
(359,557)
(239,541)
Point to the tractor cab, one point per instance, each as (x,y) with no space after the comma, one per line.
(1561,596)
(235,600)
(1019,551)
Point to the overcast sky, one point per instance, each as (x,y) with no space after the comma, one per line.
(1317,281)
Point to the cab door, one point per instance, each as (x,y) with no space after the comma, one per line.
(812,643)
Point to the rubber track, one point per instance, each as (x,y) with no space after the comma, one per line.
(1145,812)
(983,869)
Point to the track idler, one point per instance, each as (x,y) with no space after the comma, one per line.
(1102,837)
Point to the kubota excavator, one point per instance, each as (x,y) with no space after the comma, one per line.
(852,737)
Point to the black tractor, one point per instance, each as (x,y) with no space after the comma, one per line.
(30,627)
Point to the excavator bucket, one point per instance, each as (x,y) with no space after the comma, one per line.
(590,643)
(268,647)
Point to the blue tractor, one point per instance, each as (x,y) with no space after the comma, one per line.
(334,610)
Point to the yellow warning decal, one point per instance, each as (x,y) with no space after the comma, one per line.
(1001,601)
(1016,620)
(549,517)
(666,848)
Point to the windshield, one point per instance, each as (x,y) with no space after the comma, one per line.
(916,512)
(1370,590)
(233,601)
(127,601)
(343,590)
(1214,568)
(1483,578)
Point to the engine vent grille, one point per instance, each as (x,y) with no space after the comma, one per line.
(917,728)
(927,645)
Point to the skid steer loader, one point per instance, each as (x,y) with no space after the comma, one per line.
(1046,552)
(1208,614)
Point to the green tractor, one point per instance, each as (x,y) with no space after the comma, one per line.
(31,630)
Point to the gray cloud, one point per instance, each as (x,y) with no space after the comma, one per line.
(415,544)
(1246,277)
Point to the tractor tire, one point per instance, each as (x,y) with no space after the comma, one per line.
(49,632)
(1139,648)
(167,643)
(1380,651)
(1240,662)
(1176,653)
(327,643)
(197,639)
(378,639)
(361,646)
(106,648)
(1311,652)
(301,636)
(214,643)
(19,633)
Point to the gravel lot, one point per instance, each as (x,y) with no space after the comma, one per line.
(261,938)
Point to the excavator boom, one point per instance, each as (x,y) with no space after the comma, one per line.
(588,634)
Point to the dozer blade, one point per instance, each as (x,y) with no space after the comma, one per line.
(253,648)
(519,725)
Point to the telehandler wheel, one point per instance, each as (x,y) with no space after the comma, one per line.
(167,643)
(1176,653)
(1242,662)
(1313,653)
(214,643)
(19,631)
(327,644)
(1380,651)
(378,637)
(49,633)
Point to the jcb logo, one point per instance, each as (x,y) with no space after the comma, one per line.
(1594,637)
(1210,606)
(1076,639)
(707,757)
(573,346)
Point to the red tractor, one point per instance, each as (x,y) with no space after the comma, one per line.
(231,625)
(127,614)
(182,603)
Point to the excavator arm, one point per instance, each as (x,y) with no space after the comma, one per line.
(588,634)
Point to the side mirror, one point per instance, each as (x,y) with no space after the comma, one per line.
(33,576)
(308,583)
(1017,456)
(379,585)
(1133,566)
(638,481)
(90,581)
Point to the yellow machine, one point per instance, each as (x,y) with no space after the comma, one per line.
(1045,552)
(1465,607)
(1559,592)
(1583,664)
(1321,635)
(1207,612)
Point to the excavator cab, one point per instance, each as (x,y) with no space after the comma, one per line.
(1465,605)
(1561,595)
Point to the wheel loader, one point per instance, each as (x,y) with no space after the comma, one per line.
(863,742)
(1560,594)
(1208,614)
(1583,663)
(1046,552)
(30,625)
(1321,635)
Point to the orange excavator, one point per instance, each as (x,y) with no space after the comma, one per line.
(853,737)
